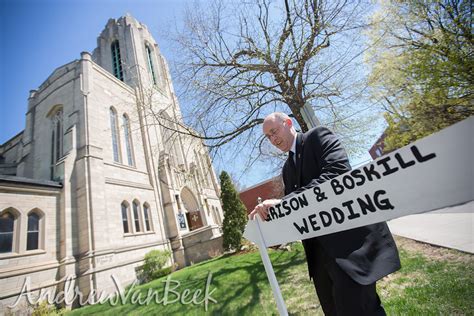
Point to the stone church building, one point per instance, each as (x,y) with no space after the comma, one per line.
(100,176)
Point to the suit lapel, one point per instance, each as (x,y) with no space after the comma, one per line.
(299,156)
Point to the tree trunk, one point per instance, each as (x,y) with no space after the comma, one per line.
(295,110)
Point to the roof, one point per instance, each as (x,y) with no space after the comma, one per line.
(37,182)
(11,139)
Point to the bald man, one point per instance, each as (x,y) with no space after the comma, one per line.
(344,266)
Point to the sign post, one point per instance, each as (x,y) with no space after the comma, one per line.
(269,270)
(434,172)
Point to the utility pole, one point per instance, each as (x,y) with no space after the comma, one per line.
(308,115)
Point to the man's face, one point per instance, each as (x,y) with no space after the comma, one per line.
(279,133)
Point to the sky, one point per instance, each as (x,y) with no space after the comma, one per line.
(38,36)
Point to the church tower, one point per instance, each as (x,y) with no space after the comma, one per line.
(127,50)
(188,185)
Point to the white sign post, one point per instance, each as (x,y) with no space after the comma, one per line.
(434,172)
(269,270)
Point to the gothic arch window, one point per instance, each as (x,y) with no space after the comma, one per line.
(128,139)
(151,68)
(115,135)
(34,231)
(116,60)
(146,217)
(125,217)
(56,139)
(136,216)
(8,227)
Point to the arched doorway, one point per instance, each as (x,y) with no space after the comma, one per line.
(191,206)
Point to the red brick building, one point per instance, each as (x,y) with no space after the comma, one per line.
(268,189)
(377,148)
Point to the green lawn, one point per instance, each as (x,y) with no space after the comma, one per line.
(432,281)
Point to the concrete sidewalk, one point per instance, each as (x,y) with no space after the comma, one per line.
(451,227)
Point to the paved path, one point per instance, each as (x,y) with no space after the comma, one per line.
(450,227)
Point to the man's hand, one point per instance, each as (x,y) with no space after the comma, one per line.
(262,208)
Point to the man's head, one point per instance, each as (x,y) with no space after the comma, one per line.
(278,128)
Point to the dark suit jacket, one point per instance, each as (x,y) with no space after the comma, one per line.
(365,253)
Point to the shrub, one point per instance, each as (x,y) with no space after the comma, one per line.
(162,272)
(152,269)
(44,309)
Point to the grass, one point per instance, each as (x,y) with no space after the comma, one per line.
(432,281)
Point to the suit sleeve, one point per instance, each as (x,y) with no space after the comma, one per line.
(328,154)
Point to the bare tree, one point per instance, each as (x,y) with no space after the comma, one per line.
(237,62)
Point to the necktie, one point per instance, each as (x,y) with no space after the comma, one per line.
(292,157)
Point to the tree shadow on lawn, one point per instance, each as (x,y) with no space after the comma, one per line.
(257,275)
(232,297)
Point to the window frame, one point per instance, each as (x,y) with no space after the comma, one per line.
(151,68)
(14,232)
(125,206)
(137,217)
(128,140)
(378,152)
(115,133)
(40,231)
(57,139)
(117,67)
(148,224)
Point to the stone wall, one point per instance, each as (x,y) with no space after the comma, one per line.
(40,266)
(202,244)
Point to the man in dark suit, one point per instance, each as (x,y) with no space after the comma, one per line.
(344,266)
